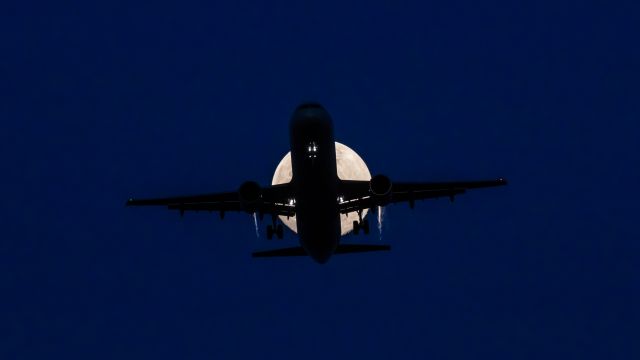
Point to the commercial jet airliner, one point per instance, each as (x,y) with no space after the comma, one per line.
(316,196)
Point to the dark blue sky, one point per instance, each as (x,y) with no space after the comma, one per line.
(100,101)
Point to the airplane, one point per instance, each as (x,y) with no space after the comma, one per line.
(316,196)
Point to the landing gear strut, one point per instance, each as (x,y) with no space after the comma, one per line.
(274,229)
(361,224)
(278,231)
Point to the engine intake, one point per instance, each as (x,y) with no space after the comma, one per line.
(380,187)
(250,194)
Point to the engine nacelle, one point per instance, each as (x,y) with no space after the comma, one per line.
(380,187)
(250,194)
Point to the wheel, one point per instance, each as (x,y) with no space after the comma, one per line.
(356,227)
(365,226)
(270,232)
(279,231)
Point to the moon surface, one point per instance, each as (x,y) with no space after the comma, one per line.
(350,166)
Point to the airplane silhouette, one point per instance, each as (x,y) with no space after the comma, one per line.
(315,195)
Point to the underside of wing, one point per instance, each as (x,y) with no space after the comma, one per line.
(380,191)
(250,198)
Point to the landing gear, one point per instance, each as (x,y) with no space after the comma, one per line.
(362,224)
(275,229)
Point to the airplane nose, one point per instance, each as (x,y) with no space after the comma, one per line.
(310,118)
(309,105)
(310,110)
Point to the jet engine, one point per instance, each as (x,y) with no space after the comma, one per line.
(380,187)
(250,194)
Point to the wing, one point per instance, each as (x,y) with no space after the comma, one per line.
(357,195)
(271,200)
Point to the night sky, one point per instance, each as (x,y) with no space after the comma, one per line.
(100,101)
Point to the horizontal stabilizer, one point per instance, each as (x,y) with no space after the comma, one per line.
(356,248)
(294,251)
(342,249)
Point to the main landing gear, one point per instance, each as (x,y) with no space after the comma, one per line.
(274,229)
(360,225)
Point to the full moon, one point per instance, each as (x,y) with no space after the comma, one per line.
(350,166)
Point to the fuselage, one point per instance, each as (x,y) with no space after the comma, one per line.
(315,181)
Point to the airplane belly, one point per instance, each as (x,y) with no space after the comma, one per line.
(314,176)
(319,234)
